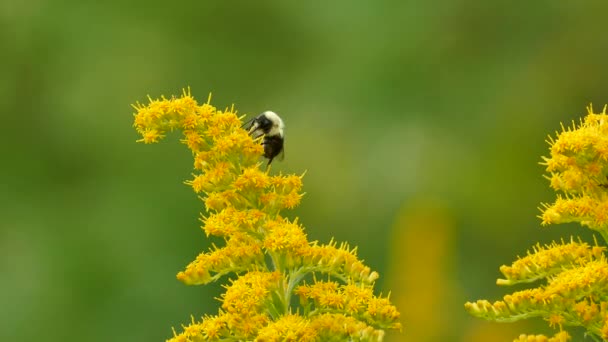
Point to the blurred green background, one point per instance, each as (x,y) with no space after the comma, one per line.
(420,125)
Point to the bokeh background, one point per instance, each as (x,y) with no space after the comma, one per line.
(420,125)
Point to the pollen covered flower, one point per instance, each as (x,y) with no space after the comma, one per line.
(288,328)
(341,262)
(265,255)
(548,260)
(578,167)
(575,291)
(561,336)
(241,253)
(570,298)
(356,300)
(340,327)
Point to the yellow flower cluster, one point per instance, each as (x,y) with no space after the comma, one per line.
(266,255)
(576,273)
(569,298)
(578,167)
(548,260)
(356,300)
(561,336)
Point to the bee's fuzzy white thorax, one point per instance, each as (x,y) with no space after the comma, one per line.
(277,124)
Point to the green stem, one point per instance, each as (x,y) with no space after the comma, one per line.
(282,294)
(604,235)
(595,338)
(294,279)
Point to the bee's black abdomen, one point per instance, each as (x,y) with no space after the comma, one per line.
(272,147)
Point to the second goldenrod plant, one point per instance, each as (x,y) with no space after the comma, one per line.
(266,257)
(574,274)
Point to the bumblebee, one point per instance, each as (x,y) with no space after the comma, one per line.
(271,126)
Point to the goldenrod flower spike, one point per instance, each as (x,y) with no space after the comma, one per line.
(576,273)
(561,336)
(266,254)
(578,167)
(548,260)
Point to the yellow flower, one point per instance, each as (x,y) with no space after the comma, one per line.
(249,292)
(561,336)
(284,236)
(240,253)
(548,260)
(266,254)
(576,288)
(578,167)
(356,300)
(289,328)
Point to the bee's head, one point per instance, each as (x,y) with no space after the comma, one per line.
(268,123)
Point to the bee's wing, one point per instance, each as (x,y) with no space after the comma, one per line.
(282,154)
